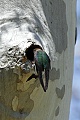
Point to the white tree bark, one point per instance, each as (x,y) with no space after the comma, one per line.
(51,25)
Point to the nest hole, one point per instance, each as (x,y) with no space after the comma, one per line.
(29,51)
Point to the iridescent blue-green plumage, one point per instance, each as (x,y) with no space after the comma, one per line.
(42,63)
(42,59)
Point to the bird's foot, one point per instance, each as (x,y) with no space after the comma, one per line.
(32,76)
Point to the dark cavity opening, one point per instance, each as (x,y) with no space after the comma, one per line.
(29,52)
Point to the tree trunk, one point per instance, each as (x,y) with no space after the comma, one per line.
(50,24)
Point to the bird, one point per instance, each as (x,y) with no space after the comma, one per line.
(42,63)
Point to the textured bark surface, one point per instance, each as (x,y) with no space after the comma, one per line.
(50,24)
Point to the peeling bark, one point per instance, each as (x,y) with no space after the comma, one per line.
(50,26)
